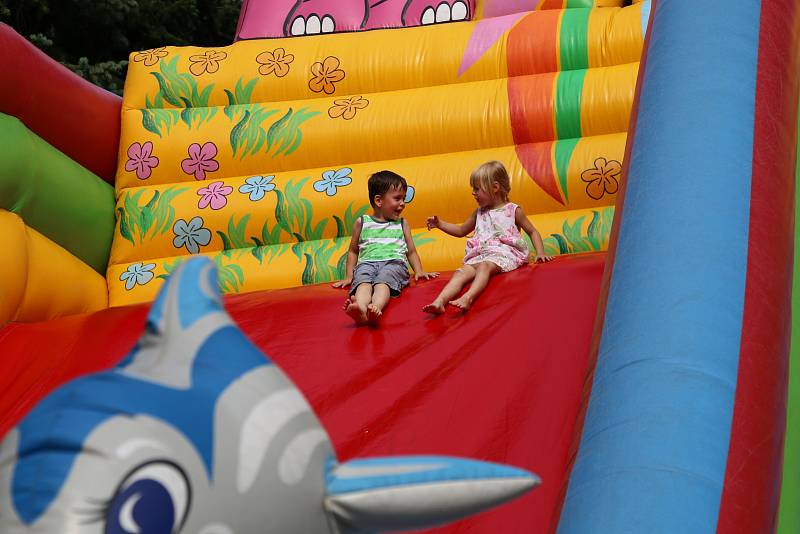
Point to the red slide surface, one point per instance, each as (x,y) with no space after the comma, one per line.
(501,383)
(73,115)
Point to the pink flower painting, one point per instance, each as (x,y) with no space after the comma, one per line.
(141,160)
(215,195)
(201,160)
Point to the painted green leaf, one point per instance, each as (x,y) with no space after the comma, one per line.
(276,128)
(563,247)
(124,230)
(166,91)
(308,270)
(237,132)
(340,265)
(592,232)
(148,122)
(341,231)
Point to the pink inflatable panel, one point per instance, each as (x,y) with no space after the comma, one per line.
(286,18)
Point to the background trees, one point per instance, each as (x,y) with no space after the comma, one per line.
(94,37)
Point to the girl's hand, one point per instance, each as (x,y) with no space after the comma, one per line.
(433,222)
(341,284)
(543,259)
(425,276)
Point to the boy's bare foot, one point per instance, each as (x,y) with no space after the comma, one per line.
(358,315)
(464,302)
(436,307)
(374,315)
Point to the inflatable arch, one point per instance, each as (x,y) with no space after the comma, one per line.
(643,375)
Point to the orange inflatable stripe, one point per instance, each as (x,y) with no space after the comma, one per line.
(533,44)
(531,101)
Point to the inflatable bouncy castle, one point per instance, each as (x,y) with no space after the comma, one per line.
(646,380)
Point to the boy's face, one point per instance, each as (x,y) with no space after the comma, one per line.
(391,204)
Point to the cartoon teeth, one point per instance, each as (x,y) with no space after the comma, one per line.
(459,11)
(312,25)
(444,13)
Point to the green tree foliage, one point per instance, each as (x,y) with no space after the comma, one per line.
(94,37)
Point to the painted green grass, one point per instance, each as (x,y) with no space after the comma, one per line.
(170,267)
(344,226)
(230,276)
(285,135)
(138,222)
(317,256)
(574,239)
(242,94)
(250,136)
(179,90)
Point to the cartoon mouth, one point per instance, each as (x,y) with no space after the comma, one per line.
(444,13)
(312,25)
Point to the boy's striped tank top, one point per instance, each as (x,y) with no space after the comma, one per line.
(381,241)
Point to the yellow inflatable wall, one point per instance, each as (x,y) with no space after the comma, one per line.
(257,154)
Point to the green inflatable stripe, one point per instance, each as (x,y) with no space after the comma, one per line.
(569,92)
(574,39)
(564,150)
(789,512)
(580,3)
(55,195)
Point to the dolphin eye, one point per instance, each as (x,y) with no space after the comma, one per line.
(153,499)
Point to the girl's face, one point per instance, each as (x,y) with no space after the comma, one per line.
(486,199)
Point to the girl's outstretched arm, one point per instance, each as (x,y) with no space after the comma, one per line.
(352,256)
(413,256)
(522,222)
(453,229)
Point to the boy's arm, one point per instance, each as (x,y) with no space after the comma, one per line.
(454,230)
(522,222)
(352,256)
(413,256)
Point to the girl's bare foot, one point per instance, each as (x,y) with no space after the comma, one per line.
(436,307)
(358,315)
(374,315)
(464,302)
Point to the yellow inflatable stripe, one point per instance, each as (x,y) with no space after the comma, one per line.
(607,98)
(255,139)
(249,212)
(619,26)
(45,280)
(274,70)
(13,264)
(280,266)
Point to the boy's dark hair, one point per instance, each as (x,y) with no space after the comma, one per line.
(380,182)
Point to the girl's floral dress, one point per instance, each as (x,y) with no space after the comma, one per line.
(497,239)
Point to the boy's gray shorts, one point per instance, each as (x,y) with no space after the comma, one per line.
(393,273)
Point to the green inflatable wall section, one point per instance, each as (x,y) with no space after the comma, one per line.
(55,195)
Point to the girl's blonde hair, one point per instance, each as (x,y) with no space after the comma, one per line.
(489,172)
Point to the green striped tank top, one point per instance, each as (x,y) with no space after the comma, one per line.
(381,241)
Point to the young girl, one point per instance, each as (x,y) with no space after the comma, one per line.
(497,245)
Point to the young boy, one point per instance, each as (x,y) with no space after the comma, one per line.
(380,251)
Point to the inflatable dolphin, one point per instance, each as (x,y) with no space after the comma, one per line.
(196,431)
